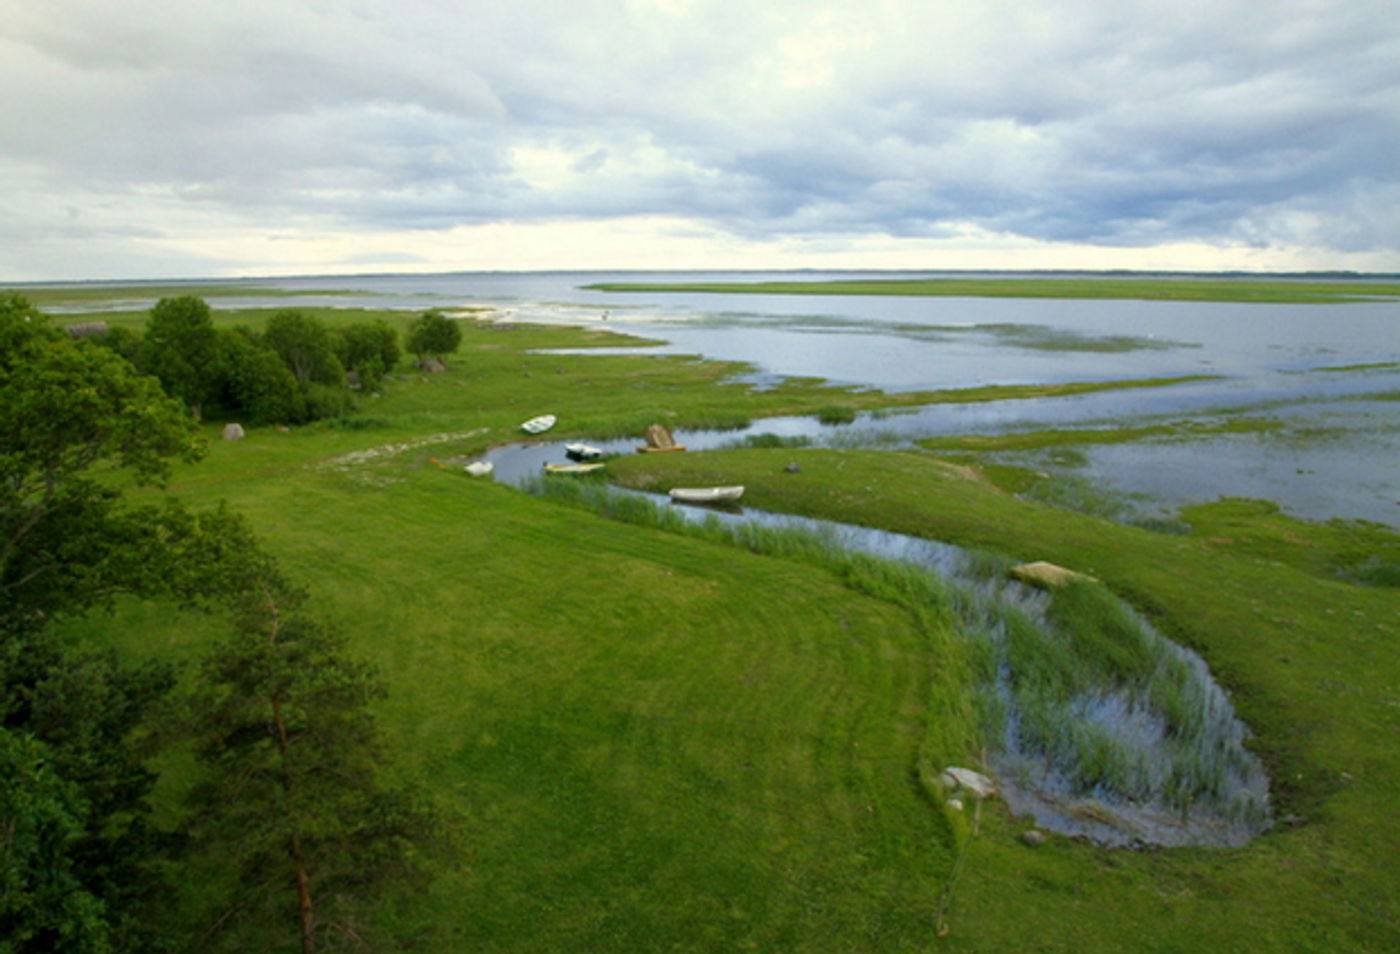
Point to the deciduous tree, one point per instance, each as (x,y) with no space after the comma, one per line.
(306,346)
(434,334)
(180,348)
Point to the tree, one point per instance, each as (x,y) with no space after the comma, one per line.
(306,347)
(180,349)
(255,380)
(291,792)
(434,334)
(371,350)
(74,420)
(76,423)
(81,863)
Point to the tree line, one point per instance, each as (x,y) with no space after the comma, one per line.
(287,827)
(297,369)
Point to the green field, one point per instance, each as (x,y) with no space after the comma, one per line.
(645,741)
(1151,289)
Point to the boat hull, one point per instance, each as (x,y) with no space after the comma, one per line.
(706,494)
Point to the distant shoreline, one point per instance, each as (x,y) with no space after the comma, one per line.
(1106,286)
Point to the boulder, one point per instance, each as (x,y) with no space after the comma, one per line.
(975,782)
(433,365)
(1033,837)
(233,432)
(658,436)
(1048,575)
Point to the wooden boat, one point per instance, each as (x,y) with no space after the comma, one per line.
(538,425)
(706,494)
(479,468)
(648,449)
(572,468)
(583,451)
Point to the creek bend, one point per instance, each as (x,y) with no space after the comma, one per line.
(1158,760)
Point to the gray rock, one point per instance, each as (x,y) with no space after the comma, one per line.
(975,782)
(233,432)
(792,469)
(1033,837)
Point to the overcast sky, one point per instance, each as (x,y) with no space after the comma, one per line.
(173,138)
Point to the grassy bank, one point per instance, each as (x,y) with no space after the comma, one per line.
(1149,289)
(647,742)
(1056,437)
(1306,655)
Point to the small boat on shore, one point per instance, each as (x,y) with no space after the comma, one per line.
(706,494)
(572,468)
(582,451)
(538,425)
(648,449)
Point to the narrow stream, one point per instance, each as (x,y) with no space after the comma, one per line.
(1158,758)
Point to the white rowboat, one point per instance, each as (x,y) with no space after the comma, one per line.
(706,494)
(572,468)
(538,425)
(583,451)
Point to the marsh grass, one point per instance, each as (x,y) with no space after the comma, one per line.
(769,441)
(1071,680)
(832,414)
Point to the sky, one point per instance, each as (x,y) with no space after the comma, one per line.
(185,138)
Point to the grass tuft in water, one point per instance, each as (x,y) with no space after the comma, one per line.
(836,414)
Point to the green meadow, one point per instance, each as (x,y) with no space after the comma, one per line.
(645,740)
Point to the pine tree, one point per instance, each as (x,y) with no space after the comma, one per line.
(291,800)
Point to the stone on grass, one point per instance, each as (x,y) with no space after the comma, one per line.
(975,782)
(233,432)
(1048,575)
(1033,837)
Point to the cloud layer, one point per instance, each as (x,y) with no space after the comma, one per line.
(197,138)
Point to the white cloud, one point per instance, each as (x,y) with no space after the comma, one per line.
(182,136)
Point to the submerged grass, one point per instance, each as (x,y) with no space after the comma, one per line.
(1062,437)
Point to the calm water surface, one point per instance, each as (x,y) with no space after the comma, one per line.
(1337,458)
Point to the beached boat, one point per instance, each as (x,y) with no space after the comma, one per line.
(538,425)
(706,494)
(583,451)
(572,468)
(648,449)
(479,468)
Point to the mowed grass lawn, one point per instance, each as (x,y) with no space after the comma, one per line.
(638,742)
(643,742)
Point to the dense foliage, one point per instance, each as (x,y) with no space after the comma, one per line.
(82,862)
(434,335)
(297,369)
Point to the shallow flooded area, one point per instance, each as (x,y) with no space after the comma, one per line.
(1332,371)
